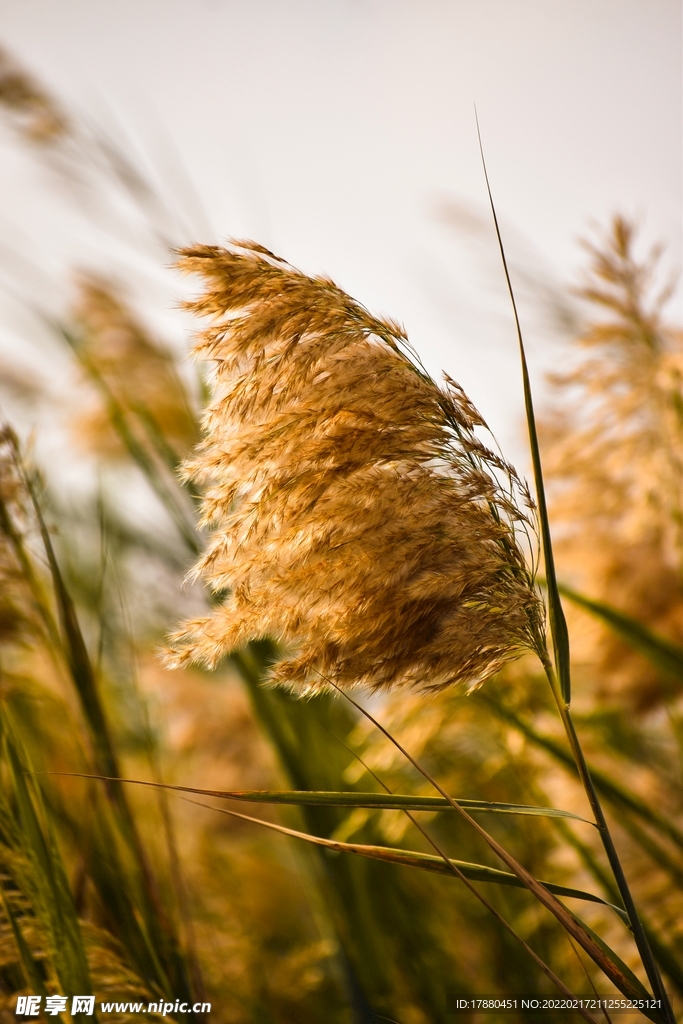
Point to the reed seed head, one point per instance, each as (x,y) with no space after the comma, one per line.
(612,446)
(32,111)
(357,517)
(133,370)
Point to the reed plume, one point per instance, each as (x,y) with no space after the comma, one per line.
(32,111)
(628,430)
(131,368)
(613,455)
(357,518)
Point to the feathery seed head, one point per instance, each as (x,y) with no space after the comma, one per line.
(357,517)
(134,369)
(32,111)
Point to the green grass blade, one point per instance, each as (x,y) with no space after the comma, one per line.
(149,906)
(77,656)
(665,957)
(560,636)
(530,882)
(612,965)
(32,975)
(325,798)
(380,918)
(412,858)
(662,653)
(558,623)
(56,905)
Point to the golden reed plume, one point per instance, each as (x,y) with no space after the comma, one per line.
(136,371)
(357,517)
(32,111)
(613,453)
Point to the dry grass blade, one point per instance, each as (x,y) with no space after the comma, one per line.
(666,956)
(425,861)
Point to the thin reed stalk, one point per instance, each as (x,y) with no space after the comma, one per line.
(561,687)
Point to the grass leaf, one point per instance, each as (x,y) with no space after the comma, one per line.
(324,798)
(620,975)
(425,861)
(558,623)
(55,906)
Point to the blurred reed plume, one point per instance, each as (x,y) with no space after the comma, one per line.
(613,454)
(135,373)
(33,111)
(357,516)
(627,450)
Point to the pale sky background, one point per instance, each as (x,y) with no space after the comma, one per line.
(338,131)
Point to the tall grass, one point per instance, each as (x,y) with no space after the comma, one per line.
(496,884)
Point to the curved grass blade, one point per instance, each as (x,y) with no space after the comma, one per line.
(429,862)
(663,953)
(453,869)
(662,653)
(325,798)
(637,988)
(558,623)
(56,906)
(30,968)
(545,897)
(425,861)
(622,977)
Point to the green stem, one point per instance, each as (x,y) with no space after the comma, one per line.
(662,952)
(560,638)
(639,935)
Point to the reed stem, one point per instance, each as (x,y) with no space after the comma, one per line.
(639,935)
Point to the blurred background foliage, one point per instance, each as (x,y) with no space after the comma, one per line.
(137,894)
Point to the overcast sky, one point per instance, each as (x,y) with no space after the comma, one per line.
(341,133)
